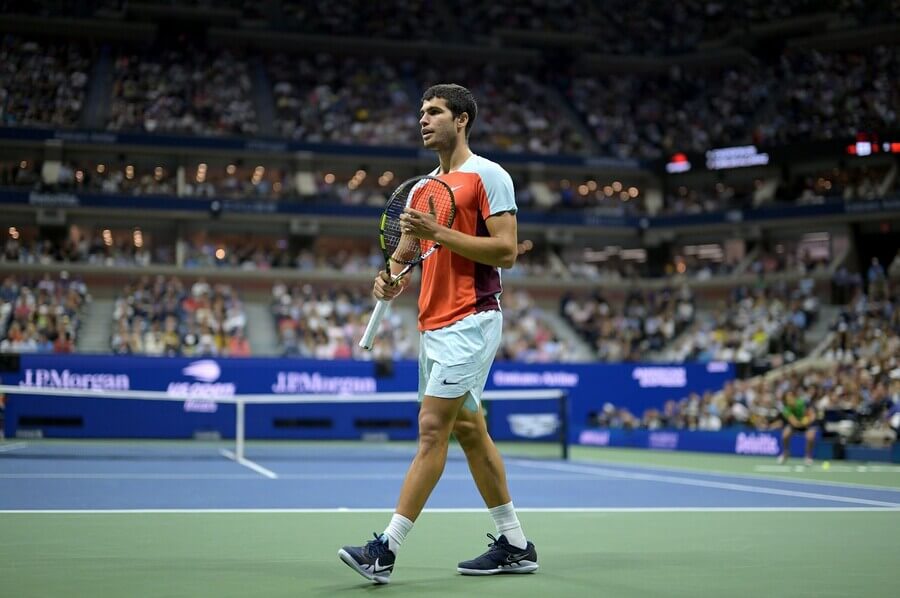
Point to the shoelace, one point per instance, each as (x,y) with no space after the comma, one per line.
(376,547)
(495,544)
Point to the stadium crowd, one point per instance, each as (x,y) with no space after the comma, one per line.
(329,99)
(42,83)
(117,247)
(185,90)
(762,325)
(527,335)
(545,194)
(612,26)
(41,315)
(850,184)
(645,322)
(517,111)
(397,19)
(328,324)
(161,316)
(648,116)
(853,386)
(789,97)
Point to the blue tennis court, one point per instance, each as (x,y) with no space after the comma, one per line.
(96,475)
(113,518)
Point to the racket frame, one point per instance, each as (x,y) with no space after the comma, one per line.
(368,339)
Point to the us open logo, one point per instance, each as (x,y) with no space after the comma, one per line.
(201,393)
(533,425)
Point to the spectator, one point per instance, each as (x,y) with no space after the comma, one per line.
(238,345)
(42,84)
(192,91)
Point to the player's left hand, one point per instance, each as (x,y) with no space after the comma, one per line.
(421,225)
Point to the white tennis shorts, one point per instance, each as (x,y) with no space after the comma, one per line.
(456,360)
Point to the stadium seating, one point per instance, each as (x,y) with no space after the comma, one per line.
(183,90)
(42,84)
(327,323)
(644,323)
(41,315)
(166,316)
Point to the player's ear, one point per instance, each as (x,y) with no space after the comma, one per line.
(462,120)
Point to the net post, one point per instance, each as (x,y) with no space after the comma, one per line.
(564,423)
(239,430)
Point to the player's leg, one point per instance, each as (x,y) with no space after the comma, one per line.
(483,458)
(436,418)
(510,551)
(470,428)
(375,560)
(810,443)
(785,443)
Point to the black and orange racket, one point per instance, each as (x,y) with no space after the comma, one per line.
(402,252)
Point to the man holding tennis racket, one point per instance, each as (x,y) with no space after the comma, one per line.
(466,209)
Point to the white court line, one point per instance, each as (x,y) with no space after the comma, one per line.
(127,476)
(439,511)
(832,468)
(649,477)
(283,476)
(745,476)
(5,448)
(249,464)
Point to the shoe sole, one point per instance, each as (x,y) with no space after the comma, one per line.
(349,560)
(523,567)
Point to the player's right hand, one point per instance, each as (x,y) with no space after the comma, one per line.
(385,290)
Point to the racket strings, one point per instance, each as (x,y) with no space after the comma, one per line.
(426,195)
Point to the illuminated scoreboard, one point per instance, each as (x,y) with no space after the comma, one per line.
(868,144)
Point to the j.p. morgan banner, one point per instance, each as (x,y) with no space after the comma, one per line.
(202,381)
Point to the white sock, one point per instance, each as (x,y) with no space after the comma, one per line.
(508,524)
(396,531)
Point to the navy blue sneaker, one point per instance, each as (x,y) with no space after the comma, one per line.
(501,557)
(374,561)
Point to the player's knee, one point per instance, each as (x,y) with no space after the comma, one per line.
(468,434)
(811,434)
(786,433)
(433,431)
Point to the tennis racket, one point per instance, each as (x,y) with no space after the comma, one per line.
(422,193)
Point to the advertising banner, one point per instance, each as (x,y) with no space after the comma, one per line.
(735,441)
(203,380)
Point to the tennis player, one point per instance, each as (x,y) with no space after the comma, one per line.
(460,324)
(798,417)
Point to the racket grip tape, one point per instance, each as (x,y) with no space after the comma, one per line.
(368,338)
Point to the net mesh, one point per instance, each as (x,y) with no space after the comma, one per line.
(528,423)
(426,195)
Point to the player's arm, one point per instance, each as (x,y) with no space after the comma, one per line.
(810,417)
(385,287)
(789,417)
(498,249)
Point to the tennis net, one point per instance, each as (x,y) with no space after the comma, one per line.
(525,423)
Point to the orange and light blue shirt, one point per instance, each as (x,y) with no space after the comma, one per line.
(453,286)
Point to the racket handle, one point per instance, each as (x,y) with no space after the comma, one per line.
(368,338)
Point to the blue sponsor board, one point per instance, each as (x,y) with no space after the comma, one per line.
(739,442)
(635,386)
(203,380)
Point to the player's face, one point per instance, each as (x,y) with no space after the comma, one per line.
(438,124)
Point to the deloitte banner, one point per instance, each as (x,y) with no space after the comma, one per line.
(739,442)
(203,380)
